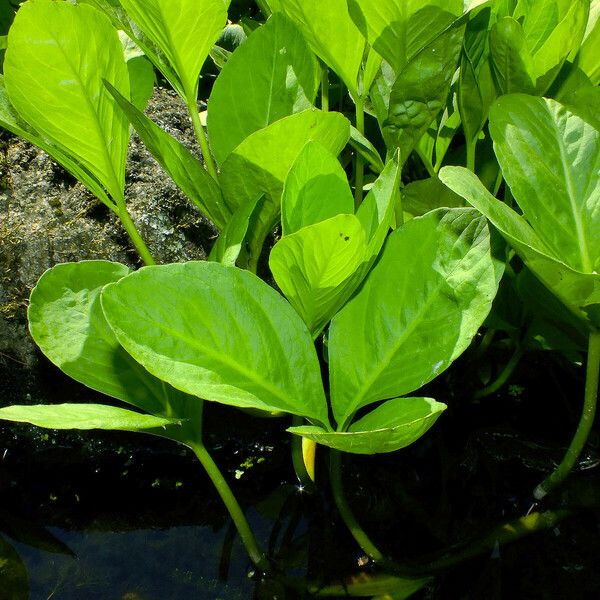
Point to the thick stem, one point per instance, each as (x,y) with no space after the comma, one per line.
(503,376)
(359,164)
(325,89)
(585,423)
(335,470)
(256,555)
(133,233)
(202,139)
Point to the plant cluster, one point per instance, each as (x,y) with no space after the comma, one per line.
(383,279)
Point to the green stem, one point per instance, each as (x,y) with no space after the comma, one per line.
(256,555)
(335,470)
(503,377)
(133,233)
(426,162)
(201,137)
(264,7)
(325,89)
(471,146)
(486,342)
(359,165)
(585,423)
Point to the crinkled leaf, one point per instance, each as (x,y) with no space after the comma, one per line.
(184,30)
(416,312)
(420,91)
(316,267)
(332,35)
(580,292)
(394,425)
(316,188)
(279,76)
(67,323)
(68,103)
(399,29)
(219,333)
(83,416)
(550,158)
(183,167)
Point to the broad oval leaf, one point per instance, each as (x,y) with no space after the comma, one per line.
(83,416)
(316,189)
(219,333)
(279,76)
(332,35)
(394,425)
(184,30)
(67,323)
(580,292)
(550,158)
(316,267)
(415,313)
(67,103)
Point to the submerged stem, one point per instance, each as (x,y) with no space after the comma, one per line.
(325,89)
(335,469)
(503,376)
(202,139)
(359,165)
(585,423)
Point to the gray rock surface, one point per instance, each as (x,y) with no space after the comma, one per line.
(47,217)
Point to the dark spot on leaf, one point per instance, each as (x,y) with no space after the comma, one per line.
(346,238)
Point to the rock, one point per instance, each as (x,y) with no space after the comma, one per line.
(47,217)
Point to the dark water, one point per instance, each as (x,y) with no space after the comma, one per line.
(113,516)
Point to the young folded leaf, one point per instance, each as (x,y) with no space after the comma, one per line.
(219,333)
(178,162)
(83,416)
(68,103)
(416,312)
(394,425)
(67,323)
(279,76)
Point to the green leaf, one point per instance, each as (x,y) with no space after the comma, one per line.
(228,246)
(585,103)
(333,36)
(68,104)
(399,29)
(550,158)
(588,59)
(141,81)
(415,313)
(316,267)
(279,75)
(420,91)
(260,164)
(316,188)
(182,166)
(387,587)
(184,31)
(421,196)
(83,416)
(511,58)
(10,120)
(394,425)
(67,323)
(219,333)
(580,292)
(366,149)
